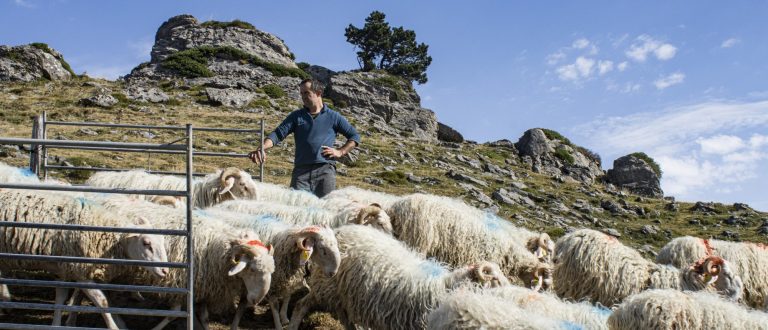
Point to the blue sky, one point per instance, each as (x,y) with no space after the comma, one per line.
(683,81)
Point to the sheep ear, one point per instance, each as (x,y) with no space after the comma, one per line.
(142,221)
(238,267)
(248,235)
(270,250)
(376,205)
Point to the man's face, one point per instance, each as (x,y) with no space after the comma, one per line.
(308,97)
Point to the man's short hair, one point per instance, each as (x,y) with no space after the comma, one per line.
(315,85)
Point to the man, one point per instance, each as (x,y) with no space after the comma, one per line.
(314,129)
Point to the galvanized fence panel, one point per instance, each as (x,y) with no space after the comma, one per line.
(188,264)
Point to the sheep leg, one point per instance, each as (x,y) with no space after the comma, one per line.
(5,295)
(76,300)
(273,305)
(61,297)
(241,307)
(201,317)
(284,309)
(100,300)
(167,320)
(301,309)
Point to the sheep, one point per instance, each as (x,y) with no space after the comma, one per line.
(599,268)
(489,309)
(383,284)
(217,247)
(353,212)
(41,207)
(547,305)
(670,309)
(749,260)
(455,233)
(231,183)
(362,196)
(267,192)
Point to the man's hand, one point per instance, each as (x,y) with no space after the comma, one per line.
(331,152)
(258,156)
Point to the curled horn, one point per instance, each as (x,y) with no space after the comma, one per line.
(366,211)
(227,179)
(239,265)
(304,234)
(709,267)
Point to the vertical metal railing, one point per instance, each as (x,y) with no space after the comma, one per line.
(188,264)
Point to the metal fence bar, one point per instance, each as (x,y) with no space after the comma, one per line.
(44,148)
(35,153)
(93,228)
(14,326)
(89,309)
(179,128)
(101,286)
(174,152)
(190,240)
(129,262)
(107,169)
(92,189)
(50,143)
(261,145)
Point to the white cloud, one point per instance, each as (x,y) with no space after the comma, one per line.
(555,58)
(673,79)
(627,88)
(698,146)
(107,71)
(604,67)
(645,45)
(665,52)
(580,43)
(582,68)
(24,3)
(721,144)
(730,43)
(622,66)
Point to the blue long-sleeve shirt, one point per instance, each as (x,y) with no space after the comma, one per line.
(311,134)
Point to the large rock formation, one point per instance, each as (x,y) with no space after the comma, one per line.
(32,62)
(384,98)
(557,156)
(636,175)
(448,134)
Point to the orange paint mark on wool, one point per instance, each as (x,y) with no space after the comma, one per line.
(707,246)
(312,229)
(256,243)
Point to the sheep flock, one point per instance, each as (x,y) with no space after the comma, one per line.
(370,259)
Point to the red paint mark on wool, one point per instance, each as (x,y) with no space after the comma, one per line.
(707,246)
(256,243)
(312,229)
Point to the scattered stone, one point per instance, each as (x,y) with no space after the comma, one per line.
(632,173)
(703,207)
(730,234)
(462,177)
(612,232)
(87,131)
(648,249)
(611,206)
(741,207)
(101,100)
(146,94)
(373,181)
(649,230)
(229,97)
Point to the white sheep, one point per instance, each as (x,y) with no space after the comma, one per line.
(351,212)
(597,267)
(671,309)
(231,183)
(550,306)
(268,192)
(363,196)
(220,251)
(42,207)
(488,309)
(749,260)
(453,232)
(383,284)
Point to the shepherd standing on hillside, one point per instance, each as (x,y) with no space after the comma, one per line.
(315,127)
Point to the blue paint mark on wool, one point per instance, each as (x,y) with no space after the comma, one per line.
(85,201)
(492,222)
(27,172)
(201,213)
(571,326)
(602,311)
(432,268)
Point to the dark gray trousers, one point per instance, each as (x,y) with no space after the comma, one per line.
(319,179)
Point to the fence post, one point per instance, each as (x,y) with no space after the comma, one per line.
(261,145)
(190,241)
(35,154)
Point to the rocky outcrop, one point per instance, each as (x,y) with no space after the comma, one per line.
(634,174)
(184,32)
(556,157)
(448,134)
(386,99)
(32,62)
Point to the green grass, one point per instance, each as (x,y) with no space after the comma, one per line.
(564,155)
(223,25)
(554,135)
(273,91)
(650,161)
(193,63)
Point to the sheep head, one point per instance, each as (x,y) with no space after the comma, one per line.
(254,264)
(538,277)
(373,215)
(319,244)
(488,274)
(146,247)
(542,246)
(716,272)
(236,184)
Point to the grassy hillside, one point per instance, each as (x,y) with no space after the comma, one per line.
(554,199)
